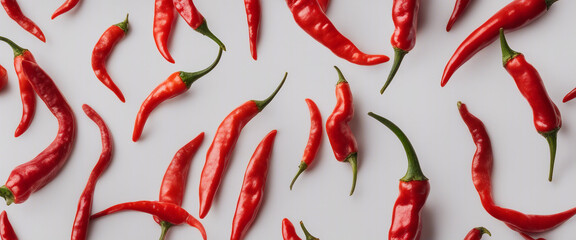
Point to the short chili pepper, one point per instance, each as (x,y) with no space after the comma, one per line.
(405,17)
(481,177)
(314,139)
(414,189)
(516,14)
(102,50)
(3,77)
(13,10)
(253,186)
(570,95)
(65,7)
(288,230)
(221,147)
(459,8)
(308,235)
(176,84)
(339,133)
(170,212)
(476,233)
(84,209)
(174,182)
(253,14)
(6,230)
(192,16)
(162,26)
(31,176)
(310,17)
(547,119)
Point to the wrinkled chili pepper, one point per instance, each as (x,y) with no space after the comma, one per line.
(476,233)
(65,7)
(314,139)
(405,17)
(192,16)
(176,84)
(170,212)
(174,182)
(3,77)
(224,141)
(13,10)
(547,119)
(84,209)
(102,50)
(253,14)
(339,133)
(308,235)
(288,230)
(414,189)
(6,230)
(162,26)
(31,176)
(516,14)
(481,177)
(310,17)
(253,185)
(459,8)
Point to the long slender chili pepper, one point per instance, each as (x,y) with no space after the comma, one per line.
(253,185)
(308,235)
(339,133)
(188,11)
(65,7)
(174,181)
(476,233)
(224,142)
(414,189)
(459,8)
(288,230)
(31,176)
(310,17)
(570,95)
(547,119)
(176,84)
(6,230)
(481,177)
(405,17)
(253,14)
(314,139)
(13,10)
(3,77)
(27,95)
(170,212)
(162,26)
(102,50)
(84,209)
(516,14)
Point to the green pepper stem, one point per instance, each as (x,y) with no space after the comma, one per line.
(7,195)
(353,160)
(17,49)
(301,169)
(549,3)
(263,103)
(483,230)
(414,172)
(341,78)
(190,77)
(398,56)
(165,226)
(551,137)
(123,25)
(203,29)
(308,235)
(507,52)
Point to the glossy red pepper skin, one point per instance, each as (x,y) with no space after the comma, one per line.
(253,14)
(3,77)
(312,19)
(459,8)
(570,95)
(6,230)
(314,139)
(339,133)
(172,213)
(288,230)
(481,177)
(515,15)
(476,233)
(84,209)
(65,7)
(31,176)
(194,18)
(162,26)
(13,10)
(221,147)
(253,186)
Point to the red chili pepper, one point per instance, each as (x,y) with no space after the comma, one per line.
(310,17)
(314,139)
(414,189)
(13,10)
(170,212)
(3,77)
(176,84)
(516,14)
(481,177)
(31,176)
(174,181)
(339,133)
(288,230)
(65,7)
(547,119)
(188,11)
(405,17)
(253,14)
(459,8)
(102,50)
(252,191)
(6,230)
(84,209)
(571,95)
(163,19)
(224,141)
(476,233)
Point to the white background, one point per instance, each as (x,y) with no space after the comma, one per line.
(415,101)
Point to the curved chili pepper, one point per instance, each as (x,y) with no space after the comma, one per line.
(253,14)
(252,191)
(339,133)
(224,142)
(27,95)
(459,8)
(84,209)
(308,235)
(405,17)
(288,230)
(102,50)
(516,14)
(170,212)
(65,7)
(188,11)
(314,139)
(476,233)
(481,177)
(571,95)
(176,84)
(6,230)
(547,119)
(175,178)
(13,10)
(162,26)
(3,77)
(310,17)
(31,176)
(414,189)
